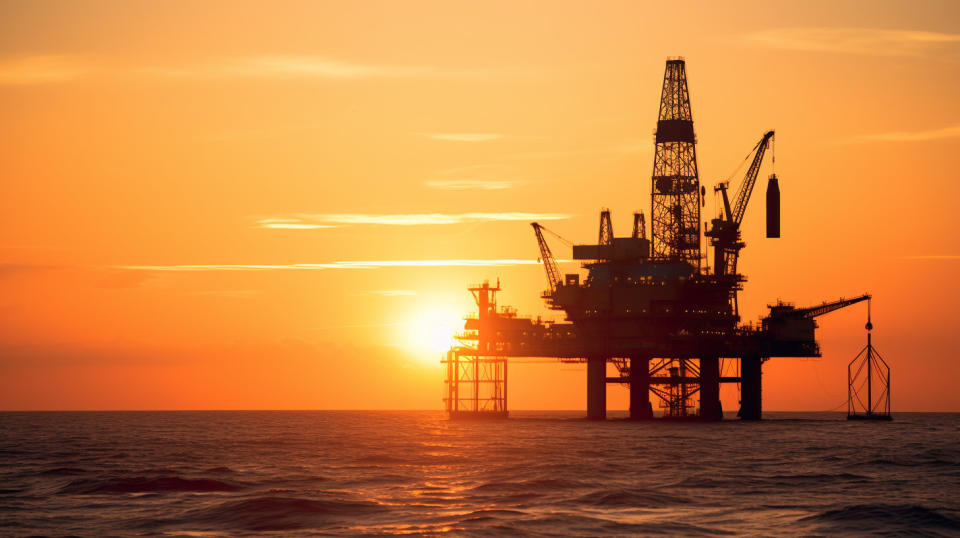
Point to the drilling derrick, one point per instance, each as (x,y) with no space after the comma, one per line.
(675,192)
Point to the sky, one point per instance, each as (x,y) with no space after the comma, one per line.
(279,205)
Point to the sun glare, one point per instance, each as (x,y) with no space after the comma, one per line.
(433,330)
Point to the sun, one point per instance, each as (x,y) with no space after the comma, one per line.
(433,329)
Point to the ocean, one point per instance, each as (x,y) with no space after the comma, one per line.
(538,473)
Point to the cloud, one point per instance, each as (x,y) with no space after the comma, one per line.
(465,137)
(335,265)
(473,170)
(310,67)
(32,275)
(405,219)
(866,41)
(625,146)
(40,69)
(226,293)
(26,70)
(906,136)
(390,293)
(290,224)
(474,177)
(318,67)
(470,184)
(19,269)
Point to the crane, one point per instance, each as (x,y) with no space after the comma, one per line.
(825,308)
(549,262)
(790,331)
(725,230)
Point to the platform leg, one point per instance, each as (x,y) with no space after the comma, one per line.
(597,388)
(710,408)
(750,388)
(640,408)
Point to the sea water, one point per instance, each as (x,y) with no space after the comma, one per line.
(541,473)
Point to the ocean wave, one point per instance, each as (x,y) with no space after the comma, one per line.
(629,498)
(537,485)
(63,471)
(140,484)
(886,516)
(282,513)
(814,478)
(219,470)
(384,459)
(488,515)
(702,481)
(909,462)
(562,524)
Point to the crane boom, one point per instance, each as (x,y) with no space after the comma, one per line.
(749,180)
(549,262)
(826,308)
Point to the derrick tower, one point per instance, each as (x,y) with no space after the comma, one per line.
(675,192)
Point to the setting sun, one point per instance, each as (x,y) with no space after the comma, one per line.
(434,329)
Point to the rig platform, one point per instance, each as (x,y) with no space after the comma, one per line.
(667,321)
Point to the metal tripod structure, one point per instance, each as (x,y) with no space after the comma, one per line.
(864,401)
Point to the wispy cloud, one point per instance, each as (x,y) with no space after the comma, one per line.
(474,177)
(227,293)
(470,184)
(290,224)
(404,219)
(908,136)
(25,70)
(40,69)
(473,170)
(626,146)
(310,67)
(464,137)
(334,265)
(867,41)
(390,293)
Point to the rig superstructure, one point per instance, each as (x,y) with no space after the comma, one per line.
(667,321)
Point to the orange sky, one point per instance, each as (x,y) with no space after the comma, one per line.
(186,188)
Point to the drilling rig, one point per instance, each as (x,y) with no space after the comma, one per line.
(667,322)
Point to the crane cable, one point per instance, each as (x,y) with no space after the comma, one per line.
(716,193)
(773,154)
(555,234)
(740,166)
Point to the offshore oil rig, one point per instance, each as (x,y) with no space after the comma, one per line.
(667,321)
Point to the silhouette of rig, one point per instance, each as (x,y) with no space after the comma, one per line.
(668,323)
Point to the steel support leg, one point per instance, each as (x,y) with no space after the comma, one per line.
(597,388)
(640,408)
(710,408)
(750,388)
